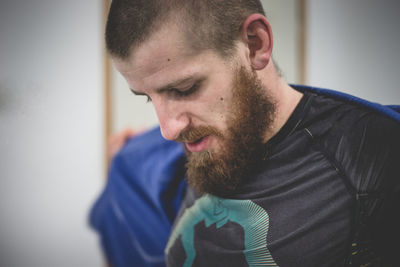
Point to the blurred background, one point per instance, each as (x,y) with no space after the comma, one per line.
(60,99)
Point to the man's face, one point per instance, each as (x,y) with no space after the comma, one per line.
(217,108)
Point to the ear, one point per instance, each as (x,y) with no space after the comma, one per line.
(257,35)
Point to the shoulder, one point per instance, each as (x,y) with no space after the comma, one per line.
(364,142)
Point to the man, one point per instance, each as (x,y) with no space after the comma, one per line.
(273,170)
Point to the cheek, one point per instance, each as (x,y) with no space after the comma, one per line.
(220,107)
(222,99)
(216,100)
(218,110)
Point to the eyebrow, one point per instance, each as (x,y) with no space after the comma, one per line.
(168,86)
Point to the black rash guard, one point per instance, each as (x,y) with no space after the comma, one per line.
(301,208)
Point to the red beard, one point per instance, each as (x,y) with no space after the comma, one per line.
(241,147)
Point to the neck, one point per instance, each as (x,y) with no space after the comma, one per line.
(285,97)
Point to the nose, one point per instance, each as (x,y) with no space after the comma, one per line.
(172,118)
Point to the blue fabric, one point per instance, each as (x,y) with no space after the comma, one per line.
(391,111)
(135,212)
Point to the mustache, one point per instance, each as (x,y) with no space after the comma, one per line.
(195,134)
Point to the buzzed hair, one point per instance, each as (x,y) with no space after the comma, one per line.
(207,24)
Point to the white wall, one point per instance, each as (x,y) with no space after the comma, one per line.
(51,130)
(353,46)
(284,16)
(129,110)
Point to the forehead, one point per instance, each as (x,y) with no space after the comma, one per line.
(163,55)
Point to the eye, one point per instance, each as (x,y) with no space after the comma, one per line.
(185,92)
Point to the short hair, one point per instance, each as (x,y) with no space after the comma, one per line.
(209,24)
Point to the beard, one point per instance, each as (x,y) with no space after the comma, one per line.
(241,148)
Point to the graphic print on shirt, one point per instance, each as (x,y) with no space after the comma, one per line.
(214,210)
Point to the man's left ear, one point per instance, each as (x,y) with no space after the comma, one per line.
(257,34)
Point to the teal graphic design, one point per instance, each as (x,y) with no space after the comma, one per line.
(211,209)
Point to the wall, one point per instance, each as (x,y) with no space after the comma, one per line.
(51,113)
(51,131)
(284,16)
(353,46)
